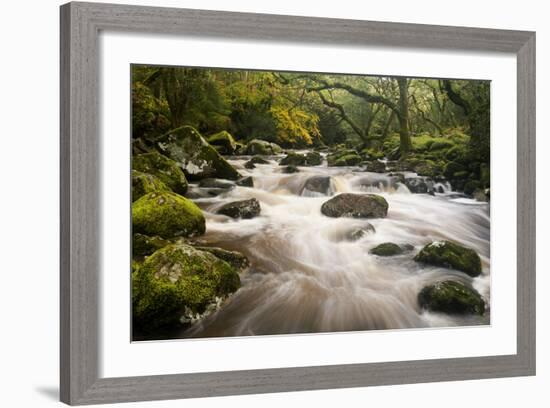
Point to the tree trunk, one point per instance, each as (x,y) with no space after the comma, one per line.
(405,145)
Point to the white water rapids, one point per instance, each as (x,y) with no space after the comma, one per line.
(305,277)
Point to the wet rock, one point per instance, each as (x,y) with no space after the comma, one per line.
(262,147)
(313,159)
(376,166)
(216,183)
(223,142)
(294,159)
(143,183)
(390,249)
(290,169)
(241,209)
(318,184)
(347,157)
(167,215)
(448,254)
(356,206)
(416,185)
(246,182)
(194,154)
(440,190)
(235,259)
(163,168)
(358,233)
(144,245)
(179,280)
(451,297)
(482,195)
(251,164)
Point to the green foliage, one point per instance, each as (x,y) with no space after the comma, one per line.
(445,120)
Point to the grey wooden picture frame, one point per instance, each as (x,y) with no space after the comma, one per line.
(80,237)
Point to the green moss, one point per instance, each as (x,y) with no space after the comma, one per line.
(224,141)
(293,159)
(197,158)
(257,146)
(235,259)
(163,168)
(386,249)
(167,215)
(451,297)
(451,255)
(143,245)
(176,280)
(471,186)
(372,154)
(313,159)
(347,157)
(143,183)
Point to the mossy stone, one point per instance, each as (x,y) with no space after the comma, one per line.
(294,159)
(451,255)
(451,297)
(143,183)
(233,258)
(176,280)
(223,141)
(355,206)
(313,159)
(167,215)
(291,169)
(195,155)
(163,168)
(387,249)
(257,146)
(144,245)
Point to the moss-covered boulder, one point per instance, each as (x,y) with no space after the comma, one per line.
(163,168)
(451,255)
(144,245)
(451,297)
(143,183)
(167,215)
(356,206)
(246,182)
(313,159)
(294,159)
(290,169)
(318,184)
(216,183)
(390,249)
(235,259)
(471,186)
(245,209)
(262,147)
(194,154)
(375,166)
(346,157)
(223,142)
(416,185)
(178,281)
(250,164)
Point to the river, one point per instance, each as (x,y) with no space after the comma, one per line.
(307,277)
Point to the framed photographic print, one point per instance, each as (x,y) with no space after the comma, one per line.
(260,203)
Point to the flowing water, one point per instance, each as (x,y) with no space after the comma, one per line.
(306,277)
